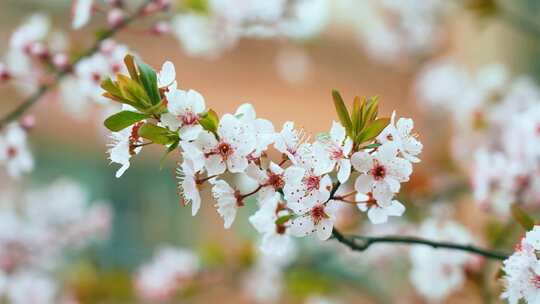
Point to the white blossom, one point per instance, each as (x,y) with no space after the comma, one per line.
(184,110)
(319,218)
(15,155)
(228,201)
(382,168)
(338,146)
(289,140)
(125,144)
(188,186)
(400,134)
(169,270)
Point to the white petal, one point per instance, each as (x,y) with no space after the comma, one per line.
(363,183)
(196,101)
(362,161)
(344,170)
(190,132)
(324,229)
(377,215)
(395,209)
(237,163)
(170,121)
(337,133)
(301,226)
(214,165)
(167,75)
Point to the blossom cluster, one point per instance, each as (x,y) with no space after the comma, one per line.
(296,195)
(391,30)
(37,228)
(522,270)
(15,155)
(496,118)
(212,27)
(436,273)
(169,271)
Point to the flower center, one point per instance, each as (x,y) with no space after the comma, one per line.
(134,137)
(318,214)
(11,152)
(225,150)
(378,172)
(275,180)
(337,154)
(313,182)
(189,118)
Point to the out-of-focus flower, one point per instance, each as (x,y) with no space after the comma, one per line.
(169,270)
(436,273)
(81,11)
(15,155)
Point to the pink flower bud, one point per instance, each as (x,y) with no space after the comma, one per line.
(28,122)
(115,17)
(60,61)
(39,50)
(160,28)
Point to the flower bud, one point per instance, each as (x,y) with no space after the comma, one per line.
(160,28)
(60,61)
(115,17)
(28,122)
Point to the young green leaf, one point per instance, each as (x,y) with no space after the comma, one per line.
(129,61)
(372,130)
(372,109)
(123,120)
(157,134)
(522,218)
(210,121)
(282,220)
(356,117)
(133,91)
(110,86)
(342,112)
(148,78)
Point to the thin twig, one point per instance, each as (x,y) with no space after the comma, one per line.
(43,89)
(362,243)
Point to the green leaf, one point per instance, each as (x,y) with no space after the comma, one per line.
(148,78)
(356,116)
(157,134)
(199,6)
(342,112)
(110,86)
(123,120)
(522,218)
(371,110)
(282,220)
(210,121)
(133,91)
(129,61)
(372,130)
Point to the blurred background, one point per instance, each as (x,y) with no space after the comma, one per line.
(285,79)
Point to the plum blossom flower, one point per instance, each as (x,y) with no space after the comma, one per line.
(228,201)
(271,179)
(319,218)
(184,109)
(31,287)
(385,167)
(289,140)
(124,145)
(275,238)
(169,270)
(15,155)
(81,11)
(264,130)
(377,201)
(400,134)
(338,147)
(188,185)
(236,142)
(522,270)
(307,182)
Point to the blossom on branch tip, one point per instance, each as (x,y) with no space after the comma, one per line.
(338,146)
(399,133)
(229,152)
(15,155)
(184,110)
(319,218)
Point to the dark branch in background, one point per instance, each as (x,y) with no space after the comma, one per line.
(362,243)
(43,89)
